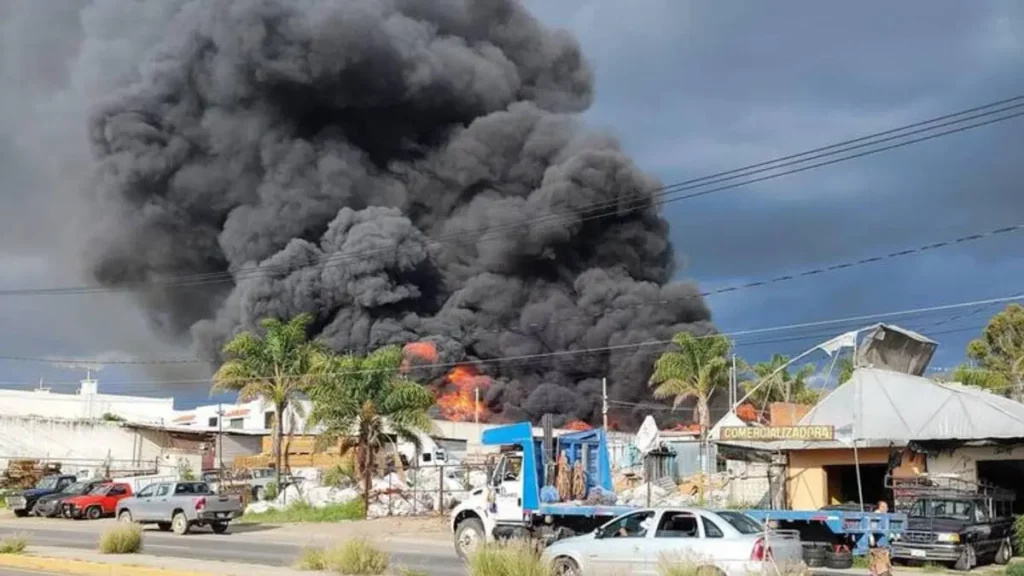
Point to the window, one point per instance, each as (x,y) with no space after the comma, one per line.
(711,530)
(163,490)
(741,522)
(147,492)
(633,525)
(117,490)
(268,419)
(677,525)
(236,423)
(212,422)
(721,464)
(426,456)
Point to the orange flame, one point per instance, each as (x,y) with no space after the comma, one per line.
(747,413)
(578,425)
(425,351)
(460,404)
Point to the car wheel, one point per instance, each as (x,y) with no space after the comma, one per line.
(125,516)
(1005,552)
(565,566)
(163,526)
(94,513)
(180,524)
(468,536)
(219,527)
(258,493)
(20,513)
(968,559)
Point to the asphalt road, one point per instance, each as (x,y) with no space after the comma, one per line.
(231,547)
(13,572)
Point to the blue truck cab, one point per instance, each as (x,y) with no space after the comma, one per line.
(512,504)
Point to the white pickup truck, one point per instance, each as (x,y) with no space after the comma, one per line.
(179,506)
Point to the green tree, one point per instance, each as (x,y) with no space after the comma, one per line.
(360,401)
(998,354)
(698,368)
(275,368)
(781,385)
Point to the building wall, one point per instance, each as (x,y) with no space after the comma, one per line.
(87,404)
(806,481)
(963,461)
(234,445)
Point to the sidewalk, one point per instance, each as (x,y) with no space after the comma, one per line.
(89,563)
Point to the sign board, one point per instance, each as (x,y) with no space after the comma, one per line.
(774,433)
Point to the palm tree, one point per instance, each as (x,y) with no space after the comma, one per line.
(274,368)
(361,401)
(781,385)
(696,370)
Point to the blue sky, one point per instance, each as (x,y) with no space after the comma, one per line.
(693,88)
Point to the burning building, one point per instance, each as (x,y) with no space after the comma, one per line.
(409,171)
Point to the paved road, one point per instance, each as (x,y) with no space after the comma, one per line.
(13,572)
(237,547)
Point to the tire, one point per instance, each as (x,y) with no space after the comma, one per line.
(565,566)
(180,525)
(20,513)
(814,556)
(1005,553)
(968,559)
(839,560)
(259,493)
(219,527)
(94,513)
(164,526)
(125,516)
(468,535)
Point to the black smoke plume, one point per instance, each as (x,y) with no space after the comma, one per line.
(391,166)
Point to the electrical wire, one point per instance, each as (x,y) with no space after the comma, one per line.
(609,208)
(561,318)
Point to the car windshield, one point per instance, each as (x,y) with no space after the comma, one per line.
(48,483)
(741,522)
(953,509)
(99,490)
(77,488)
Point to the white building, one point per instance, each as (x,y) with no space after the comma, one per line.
(86,404)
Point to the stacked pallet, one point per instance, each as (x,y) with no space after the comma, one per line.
(24,474)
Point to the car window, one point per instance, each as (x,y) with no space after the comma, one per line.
(99,490)
(147,491)
(741,522)
(711,530)
(163,490)
(677,525)
(117,490)
(633,525)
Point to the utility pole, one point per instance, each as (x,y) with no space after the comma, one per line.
(220,440)
(476,405)
(604,403)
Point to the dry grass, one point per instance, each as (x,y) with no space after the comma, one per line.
(14,544)
(354,557)
(124,539)
(515,558)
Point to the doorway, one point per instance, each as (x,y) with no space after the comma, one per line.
(842,485)
(1007,474)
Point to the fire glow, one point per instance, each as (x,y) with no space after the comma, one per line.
(459,403)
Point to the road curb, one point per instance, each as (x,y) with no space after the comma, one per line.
(86,568)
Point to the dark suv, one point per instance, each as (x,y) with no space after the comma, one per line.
(952,521)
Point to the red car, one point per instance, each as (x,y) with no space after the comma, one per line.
(101,501)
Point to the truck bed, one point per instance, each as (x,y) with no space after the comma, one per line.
(577,510)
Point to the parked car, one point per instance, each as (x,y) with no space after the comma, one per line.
(50,505)
(99,502)
(724,542)
(179,506)
(21,503)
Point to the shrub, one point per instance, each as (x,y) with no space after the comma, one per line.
(357,557)
(341,474)
(312,559)
(412,572)
(1018,535)
(271,491)
(513,558)
(303,512)
(125,539)
(14,544)
(1015,569)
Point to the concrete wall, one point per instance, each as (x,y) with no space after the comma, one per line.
(963,461)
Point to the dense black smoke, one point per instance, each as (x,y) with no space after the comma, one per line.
(392,166)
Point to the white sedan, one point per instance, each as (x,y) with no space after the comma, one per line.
(722,543)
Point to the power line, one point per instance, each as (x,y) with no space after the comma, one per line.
(560,318)
(612,348)
(615,206)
